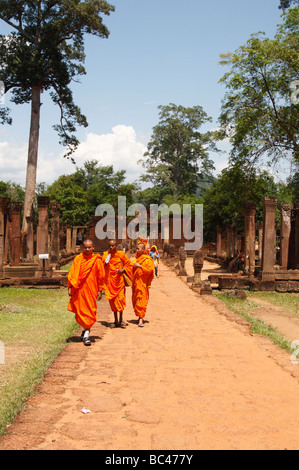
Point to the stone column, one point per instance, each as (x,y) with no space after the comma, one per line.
(229,241)
(30,237)
(182,262)
(4,201)
(219,243)
(171,251)
(260,239)
(74,238)
(250,237)
(285,231)
(269,239)
(296,209)
(55,239)
(198,259)
(15,238)
(68,239)
(42,235)
(235,240)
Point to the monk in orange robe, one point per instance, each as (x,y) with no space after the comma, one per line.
(85,285)
(143,274)
(115,264)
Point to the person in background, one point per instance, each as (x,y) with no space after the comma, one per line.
(154,254)
(143,274)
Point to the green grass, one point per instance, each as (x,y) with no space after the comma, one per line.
(288,301)
(257,326)
(34,327)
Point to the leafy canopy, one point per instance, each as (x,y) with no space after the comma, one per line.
(177,155)
(258,113)
(81,192)
(237,184)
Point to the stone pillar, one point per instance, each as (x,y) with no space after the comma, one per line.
(4,201)
(171,251)
(15,234)
(55,239)
(269,239)
(74,238)
(260,239)
(285,232)
(235,240)
(229,242)
(68,239)
(250,237)
(30,237)
(183,257)
(296,209)
(42,247)
(198,259)
(219,243)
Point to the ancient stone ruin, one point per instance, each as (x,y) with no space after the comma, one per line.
(271,258)
(33,260)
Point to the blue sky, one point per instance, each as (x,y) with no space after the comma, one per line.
(158,52)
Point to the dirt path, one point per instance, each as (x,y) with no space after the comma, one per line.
(190,379)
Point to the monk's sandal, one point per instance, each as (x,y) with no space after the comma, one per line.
(86,341)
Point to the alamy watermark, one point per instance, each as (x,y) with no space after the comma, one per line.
(160,222)
(2,353)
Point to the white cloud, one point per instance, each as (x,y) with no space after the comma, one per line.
(13,158)
(121,148)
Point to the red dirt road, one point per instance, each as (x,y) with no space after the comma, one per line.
(193,378)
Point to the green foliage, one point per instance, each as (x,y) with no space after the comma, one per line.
(91,185)
(293,185)
(12,190)
(177,155)
(287,3)
(258,114)
(224,200)
(72,198)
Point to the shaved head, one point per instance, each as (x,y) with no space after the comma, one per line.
(88,247)
(88,241)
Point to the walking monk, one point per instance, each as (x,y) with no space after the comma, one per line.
(85,285)
(115,264)
(143,273)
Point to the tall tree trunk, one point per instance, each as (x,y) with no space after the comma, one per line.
(32,155)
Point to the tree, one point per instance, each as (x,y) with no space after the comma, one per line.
(44,53)
(12,190)
(103,185)
(258,113)
(224,200)
(81,192)
(177,155)
(286,3)
(72,198)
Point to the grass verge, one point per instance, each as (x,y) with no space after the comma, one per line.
(288,301)
(34,328)
(257,326)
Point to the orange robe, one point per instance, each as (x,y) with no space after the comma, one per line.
(142,278)
(86,277)
(115,290)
